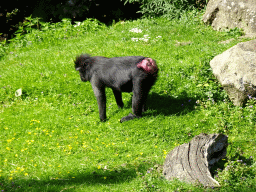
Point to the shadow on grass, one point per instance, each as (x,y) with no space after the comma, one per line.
(167,105)
(81,178)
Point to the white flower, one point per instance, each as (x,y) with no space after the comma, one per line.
(136,30)
(134,39)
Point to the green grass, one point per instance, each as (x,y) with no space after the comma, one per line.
(51,137)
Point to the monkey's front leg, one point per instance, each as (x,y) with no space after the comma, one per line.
(100,95)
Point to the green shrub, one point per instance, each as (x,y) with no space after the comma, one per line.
(172,9)
(36,31)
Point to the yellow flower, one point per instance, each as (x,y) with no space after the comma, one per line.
(141,153)
(155,146)
(5,160)
(16,155)
(9,140)
(105,177)
(10,178)
(8,148)
(25,174)
(18,168)
(29,133)
(128,155)
(6,128)
(35,165)
(99,167)
(59,166)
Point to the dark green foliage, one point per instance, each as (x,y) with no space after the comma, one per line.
(171,9)
(13,15)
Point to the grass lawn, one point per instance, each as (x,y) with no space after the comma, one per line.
(51,137)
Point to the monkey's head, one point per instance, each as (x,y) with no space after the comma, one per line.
(83,64)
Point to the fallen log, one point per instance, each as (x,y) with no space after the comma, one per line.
(191,162)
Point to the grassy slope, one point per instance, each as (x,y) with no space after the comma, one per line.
(51,136)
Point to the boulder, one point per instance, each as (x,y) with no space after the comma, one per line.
(192,161)
(228,14)
(236,71)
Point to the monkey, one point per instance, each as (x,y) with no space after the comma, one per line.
(136,74)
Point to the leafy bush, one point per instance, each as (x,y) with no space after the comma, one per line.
(172,9)
(36,31)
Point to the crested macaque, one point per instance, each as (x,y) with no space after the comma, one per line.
(135,74)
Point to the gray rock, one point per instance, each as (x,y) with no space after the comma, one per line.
(228,14)
(236,71)
(191,162)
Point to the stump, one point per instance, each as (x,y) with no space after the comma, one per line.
(191,162)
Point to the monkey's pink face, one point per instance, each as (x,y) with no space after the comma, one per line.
(148,65)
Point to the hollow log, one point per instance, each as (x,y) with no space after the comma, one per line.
(191,162)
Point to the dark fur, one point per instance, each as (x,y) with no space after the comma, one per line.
(121,74)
